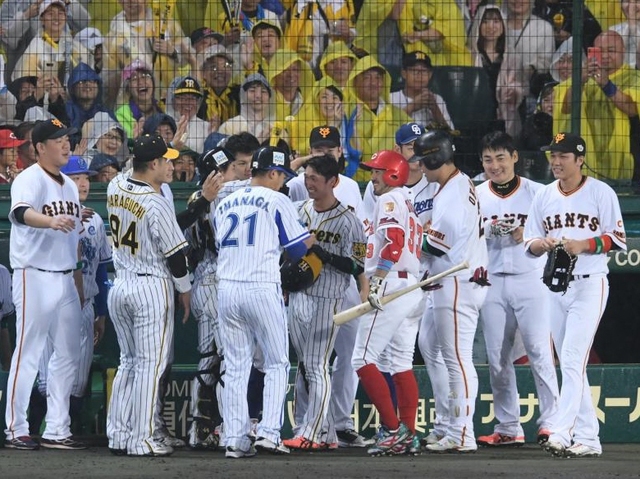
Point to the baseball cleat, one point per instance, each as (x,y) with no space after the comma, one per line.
(350,438)
(500,440)
(303,444)
(22,443)
(235,453)
(202,437)
(555,448)
(432,438)
(264,444)
(67,444)
(118,452)
(580,450)
(387,440)
(543,436)
(447,445)
(170,441)
(409,447)
(155,449)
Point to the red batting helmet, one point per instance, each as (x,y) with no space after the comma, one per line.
(395,166)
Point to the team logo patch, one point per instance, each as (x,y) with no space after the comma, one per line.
(57,123)
(359,250)
(559,137)
(389,207)
(324,132)
(580,148)
(220,158)
(278,158)
(92,230)
(254,164)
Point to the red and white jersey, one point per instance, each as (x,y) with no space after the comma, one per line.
(144,230)
(456,227)
(505,255)
(590,210)
(346,192)
(394,210)
(44,248)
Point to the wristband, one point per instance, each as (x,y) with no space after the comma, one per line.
(183,284)
(599,245)
(610,89)
(385,264)
(79,265)
(592,245)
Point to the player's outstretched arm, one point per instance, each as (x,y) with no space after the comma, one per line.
(30,217)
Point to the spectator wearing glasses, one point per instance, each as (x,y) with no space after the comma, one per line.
(184,99)
(221,94)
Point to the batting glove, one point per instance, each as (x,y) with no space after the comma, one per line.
(430,286)
(480,277)
(498,227)
(374,292)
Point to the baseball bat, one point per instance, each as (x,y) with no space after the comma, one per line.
(363,308)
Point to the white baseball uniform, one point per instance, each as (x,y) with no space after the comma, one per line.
(338,231)
(457,304)
(252,226)
(43,260)
(344,381)
(94,249)
(516,301)
(141,304)
(590,210)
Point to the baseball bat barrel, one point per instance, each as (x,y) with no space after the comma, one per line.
(363,308)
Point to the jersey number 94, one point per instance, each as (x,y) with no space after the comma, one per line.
(129,238)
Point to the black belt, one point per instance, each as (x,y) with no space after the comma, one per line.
(66,271)
(144,274)
(578,276)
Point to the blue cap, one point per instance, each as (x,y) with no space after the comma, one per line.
(77,166)
(409,132)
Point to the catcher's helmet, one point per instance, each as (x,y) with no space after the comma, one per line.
(212,160)
(300,274)
(433,149)
(395,166)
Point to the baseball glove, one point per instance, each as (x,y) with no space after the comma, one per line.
(300,274)
(558,270)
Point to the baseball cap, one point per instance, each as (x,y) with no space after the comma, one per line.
(256,78)
(49,130)
(90,37)
(324,136)
(188,85)
(217,51)
(204,32)
(409,132)
(266,24)
(216,158)
(271,158)
(413,58)
(151,147)
(47,3)
(8,139)
(567,143)
(77,165)
(135,66)
(100,160)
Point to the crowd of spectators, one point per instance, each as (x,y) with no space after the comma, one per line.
(278,68)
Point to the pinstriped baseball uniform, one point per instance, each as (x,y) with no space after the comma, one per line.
(311,311)
(94,249)
(42,260)
(516,300)
(590,210)
(457,304)
(344,381)
(141,305)
(252,226)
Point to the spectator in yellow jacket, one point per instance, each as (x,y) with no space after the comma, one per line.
(337,63)
(292,82)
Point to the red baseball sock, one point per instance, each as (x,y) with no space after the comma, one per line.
(378,391)
(407,392)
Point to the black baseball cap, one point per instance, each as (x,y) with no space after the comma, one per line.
(324,136)
(413,58)
(188,85)
(150,147)
(204,32)
(271,158)
(49,130)
(567,143)
(256,79)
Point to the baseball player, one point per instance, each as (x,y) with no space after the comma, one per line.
(149,264)
(449,240)
(341,248)
(584,214)
(392,263)
(252,226)
(6,311)
(95,252)
(517,300)
(46,223)
(340,427)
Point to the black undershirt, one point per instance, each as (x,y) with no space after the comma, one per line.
(507,188)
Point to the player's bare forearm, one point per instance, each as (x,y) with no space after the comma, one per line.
(185,301)
(381,273)
(542,245)
(38,220)
(310,241)
(576,247)
(98,329)
(363,286)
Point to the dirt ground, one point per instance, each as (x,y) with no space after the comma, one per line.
(618,460)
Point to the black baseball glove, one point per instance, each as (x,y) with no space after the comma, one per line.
(558,270)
